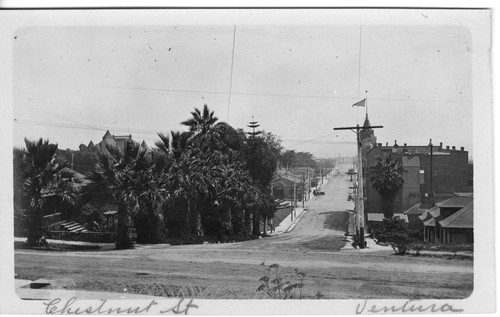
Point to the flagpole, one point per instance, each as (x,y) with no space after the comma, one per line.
(366,102)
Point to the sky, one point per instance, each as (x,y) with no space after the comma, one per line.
(71,84)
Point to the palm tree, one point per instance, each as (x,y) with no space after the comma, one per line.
(149,222)
(46,176)
(201,123)
(387,179)
(125,177)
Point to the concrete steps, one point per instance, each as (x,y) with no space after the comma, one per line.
(73,226)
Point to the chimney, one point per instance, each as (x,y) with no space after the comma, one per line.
(405,144)
(447,147)
(386,143)
(440,145)
(396,143)
(462,148)
(453,148)
(379,144)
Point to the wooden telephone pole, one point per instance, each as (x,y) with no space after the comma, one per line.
(360,197)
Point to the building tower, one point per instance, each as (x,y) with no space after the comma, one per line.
(367,136)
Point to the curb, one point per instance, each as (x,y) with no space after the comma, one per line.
(295,221)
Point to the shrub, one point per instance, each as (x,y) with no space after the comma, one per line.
(394,232)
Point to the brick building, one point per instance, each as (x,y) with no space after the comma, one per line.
(450,172)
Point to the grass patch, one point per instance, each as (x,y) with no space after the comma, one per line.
(330,243)
(336,220)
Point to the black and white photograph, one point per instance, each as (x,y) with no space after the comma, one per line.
(247,161)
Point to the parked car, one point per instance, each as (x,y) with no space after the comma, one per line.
(318,192)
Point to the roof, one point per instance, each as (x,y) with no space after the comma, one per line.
(305,168)
(464,218)
(414,210)
(455,202)
(417,149)
(424,216)
(378,217)
(286,176)
(464,194)
(434,212)
(430,223)
(107,135)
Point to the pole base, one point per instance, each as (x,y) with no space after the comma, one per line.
(362,242)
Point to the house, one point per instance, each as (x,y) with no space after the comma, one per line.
(284,184)
(459,227)
(429,223)
(413,215)
(450,221)
(376,218)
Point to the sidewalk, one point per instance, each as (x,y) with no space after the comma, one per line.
(287,224)
(372,246)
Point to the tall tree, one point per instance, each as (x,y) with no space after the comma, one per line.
(262,154)
(387,179)
(202,121)
(46,176)
(125,176)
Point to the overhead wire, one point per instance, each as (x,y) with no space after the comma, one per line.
(255,94)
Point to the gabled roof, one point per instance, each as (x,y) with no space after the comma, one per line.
(464,218)
(414,210)
(424,216)
(455,202)
(378,217)
(286,177)
(107,135)
(430,223)
(434,211)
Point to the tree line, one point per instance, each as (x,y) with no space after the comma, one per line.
(210,183)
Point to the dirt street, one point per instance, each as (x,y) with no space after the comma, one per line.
(233,270)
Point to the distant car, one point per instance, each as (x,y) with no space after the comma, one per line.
(318,192)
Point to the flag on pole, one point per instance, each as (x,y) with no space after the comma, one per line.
(361,103)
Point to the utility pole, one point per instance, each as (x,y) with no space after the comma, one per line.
(431,192)
(295,195)
(303,187)
(308,186)
(72,154)
(360,197)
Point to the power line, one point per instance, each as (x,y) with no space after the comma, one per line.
(321,137)
(259,94)
(231,80)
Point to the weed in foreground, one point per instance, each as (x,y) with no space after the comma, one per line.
(274,286)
